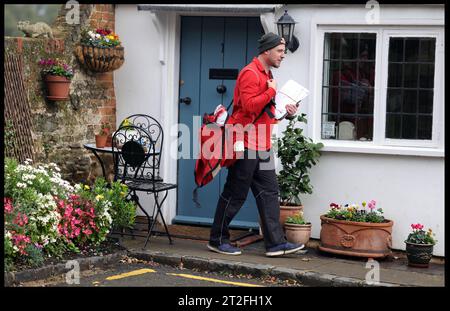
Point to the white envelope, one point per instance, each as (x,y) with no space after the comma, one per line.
(290,93)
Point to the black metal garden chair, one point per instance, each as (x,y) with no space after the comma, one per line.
(137,164)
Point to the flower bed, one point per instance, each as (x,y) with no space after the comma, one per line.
(47,217)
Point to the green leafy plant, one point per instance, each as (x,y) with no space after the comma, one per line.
(420,236)
(110,200)
(297,219)
(353,212)
(105,129)
(297,154)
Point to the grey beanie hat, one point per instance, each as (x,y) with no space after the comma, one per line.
(269,41)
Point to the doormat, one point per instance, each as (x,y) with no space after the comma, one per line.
(191,231)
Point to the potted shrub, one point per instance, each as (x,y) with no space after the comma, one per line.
(297,154)
(102,136)
(57,76)
(419,246)
(297,229)
(100,50)
(351,230)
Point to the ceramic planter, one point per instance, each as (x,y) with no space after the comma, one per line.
(296,233)
(58,87)
(419,255)
(288,211)
(100,59)
(361,239)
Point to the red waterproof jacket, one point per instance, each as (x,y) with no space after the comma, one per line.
(251,95)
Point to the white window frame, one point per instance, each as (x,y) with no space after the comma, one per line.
(380,144)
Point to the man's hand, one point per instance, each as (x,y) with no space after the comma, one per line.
(291,109)
(272,83)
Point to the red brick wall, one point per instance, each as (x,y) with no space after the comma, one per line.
(103,17)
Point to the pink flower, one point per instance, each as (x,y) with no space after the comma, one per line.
(334,205)
(7,202)
(87,231)
(417,226)
(371,204)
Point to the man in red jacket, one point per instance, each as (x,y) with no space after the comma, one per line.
(253,94)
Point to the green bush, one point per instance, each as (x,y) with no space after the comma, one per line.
(297,154)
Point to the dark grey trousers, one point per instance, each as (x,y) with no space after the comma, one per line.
(256,171)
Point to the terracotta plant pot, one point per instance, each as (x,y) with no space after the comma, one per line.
(108,141)
(100,59)
(419,255)
(288,211)
(361,239)
(100,141)
(57,87)
(296,233)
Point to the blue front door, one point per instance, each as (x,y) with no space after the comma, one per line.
(213,50)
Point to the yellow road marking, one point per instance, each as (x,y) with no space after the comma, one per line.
(128,274)
(195,277)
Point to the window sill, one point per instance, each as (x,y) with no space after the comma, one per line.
(349,147)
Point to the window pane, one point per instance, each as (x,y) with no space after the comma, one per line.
(425,101)
(332,45)
(427,50)
(348,85)
(331,73)
(410,101)
(396,50)
(366,104)
(330,100)
(426,76)
(348,73)
(394,100)
(411,75)
(395,75)
(349,46)
(411,49)
(409,126)
(367,46)
(350,97)
(364,128)
(424,127)
(367,73)
(415,95)
(393,126)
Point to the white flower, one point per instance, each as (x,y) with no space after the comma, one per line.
(97,35)
(21,185)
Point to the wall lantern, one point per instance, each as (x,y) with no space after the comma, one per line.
(286,25)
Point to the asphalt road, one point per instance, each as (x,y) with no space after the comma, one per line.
(136,273)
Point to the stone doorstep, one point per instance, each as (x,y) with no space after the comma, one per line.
(13,278)
(305,277)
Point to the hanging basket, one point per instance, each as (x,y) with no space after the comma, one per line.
(100,59)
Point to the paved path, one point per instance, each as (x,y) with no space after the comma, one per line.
(328,270)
